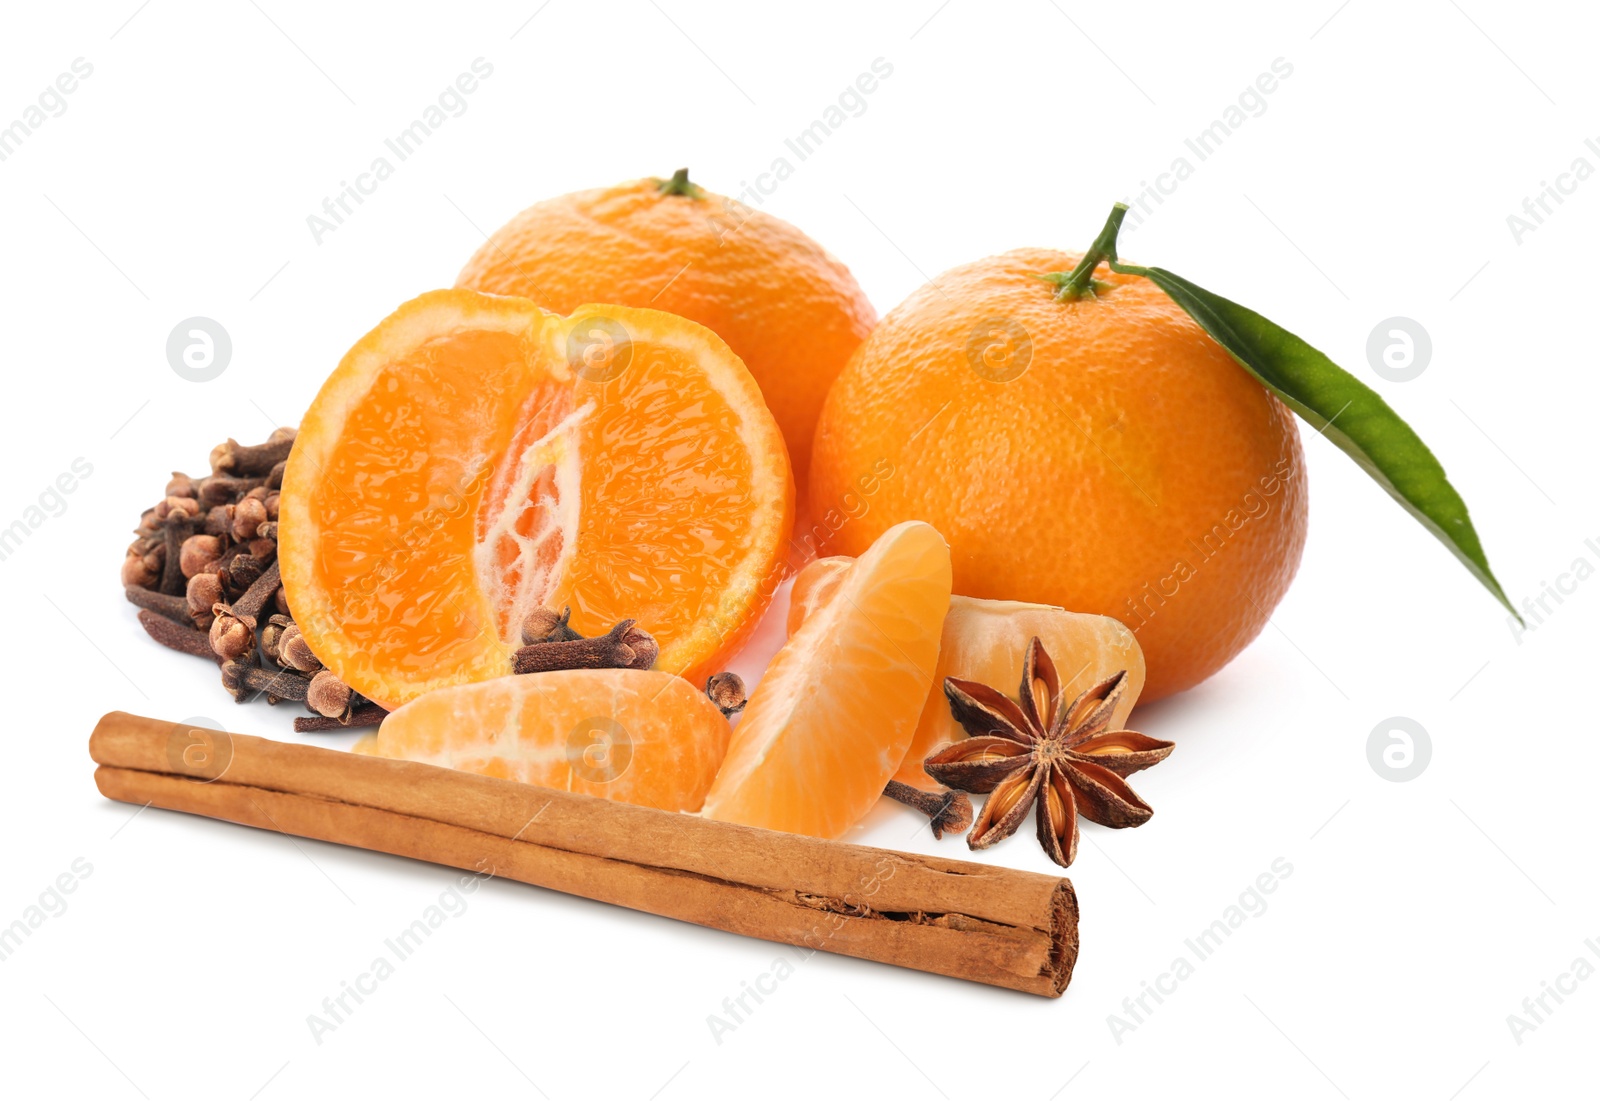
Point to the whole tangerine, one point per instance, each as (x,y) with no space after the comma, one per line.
(1103,454)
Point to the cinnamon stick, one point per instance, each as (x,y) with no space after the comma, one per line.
(971,921)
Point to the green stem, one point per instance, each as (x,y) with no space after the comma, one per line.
(1080,280)
(680,185)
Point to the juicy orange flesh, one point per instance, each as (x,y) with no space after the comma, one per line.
(666,493)
(832,717)
(397,505)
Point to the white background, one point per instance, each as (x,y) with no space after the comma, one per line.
(1377,182)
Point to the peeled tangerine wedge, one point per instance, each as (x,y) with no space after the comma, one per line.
(834,713)
(985,641)
(474,457)
(635,736)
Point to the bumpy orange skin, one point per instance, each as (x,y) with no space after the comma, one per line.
(1133,469)
(791,311)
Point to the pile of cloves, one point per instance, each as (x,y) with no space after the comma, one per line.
(203,569)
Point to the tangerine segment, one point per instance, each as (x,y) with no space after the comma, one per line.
(687,497)
(834,712)
(630,735)
(474,457)
(984,641)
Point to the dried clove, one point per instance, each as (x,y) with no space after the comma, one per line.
(175,608)
(175,636)
(241,461)
(143,565)
(366,715)
(625,646)
(248,515)
(240,680)
(179,506)
(727,692)
(241,572)
(545,625)
(644,646)
(257,593)
(204,592)
(295,652)
(219,521)
(199,554)
(272,633)
(177,525)
(947,811)
(231,638)
(328,696)
(223,489)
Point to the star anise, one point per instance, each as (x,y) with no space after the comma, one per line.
(1035,749)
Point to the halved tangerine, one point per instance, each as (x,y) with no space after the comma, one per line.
(474,457)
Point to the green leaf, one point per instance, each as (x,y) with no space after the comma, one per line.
(1325,395)
(1341,407)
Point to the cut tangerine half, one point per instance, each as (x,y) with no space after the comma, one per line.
(474,457)
(832,717)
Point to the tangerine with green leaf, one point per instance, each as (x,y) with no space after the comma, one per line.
(1097,451)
